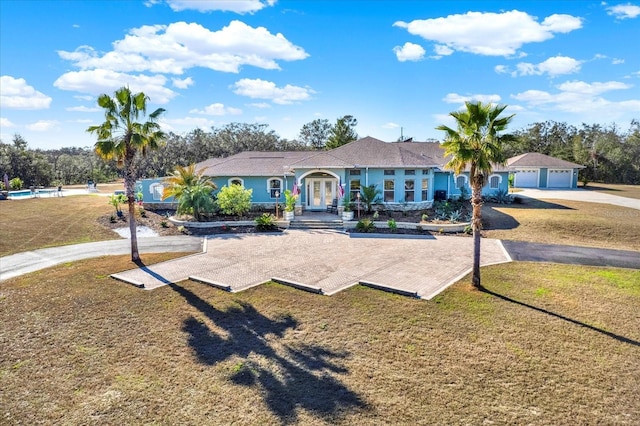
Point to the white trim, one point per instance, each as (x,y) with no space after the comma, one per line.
(229,182)
(465,177)
(310,172)
(269,184)
(492,176)
(153,192)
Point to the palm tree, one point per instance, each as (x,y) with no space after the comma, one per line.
(191,189)
(476,143)
(121,137)
(370,196)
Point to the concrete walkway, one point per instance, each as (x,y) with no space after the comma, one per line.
(30,261)
(580,195)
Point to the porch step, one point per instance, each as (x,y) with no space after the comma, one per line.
(316,224)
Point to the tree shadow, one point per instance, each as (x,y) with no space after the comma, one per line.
(297,378)
(617,337)
(493,219)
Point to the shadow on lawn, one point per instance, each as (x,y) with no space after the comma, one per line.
(562,317)
(293,377)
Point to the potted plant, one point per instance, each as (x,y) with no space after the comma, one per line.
(289,205)
(347,213)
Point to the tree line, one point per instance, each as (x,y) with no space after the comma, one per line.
(610,154)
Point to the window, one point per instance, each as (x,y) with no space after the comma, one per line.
(494,182)
(354,188)
(236,181)
(461,181)
(156,190)
(354,172)
(409,190)
(425,189)
(389,172)
(409,172)
(275,185)
(425,171)
(389,191)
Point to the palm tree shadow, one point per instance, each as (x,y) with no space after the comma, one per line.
(617,337)
(294,378)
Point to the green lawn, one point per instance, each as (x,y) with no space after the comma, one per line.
(545,344)
(549,344)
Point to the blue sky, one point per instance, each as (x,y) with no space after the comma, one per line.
(392,64)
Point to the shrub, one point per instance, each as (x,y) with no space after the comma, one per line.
(391,223)
(143,212)
(16,183)
(365,225)
(164,224)
(425,217)
(116,200)
(234,200)
(502,196)
(290,201)
(455,216)
(376,215)
(266,222)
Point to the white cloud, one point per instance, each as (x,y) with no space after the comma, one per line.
(616,61)
(185,124)
(84,97)
(261,89)
(217,109)
(179,46)
(492,34)
(557,65)
(83,108)
(581,97)
(43,125)
(15,93)
(409,52)
(624,11)
(454,98)
(443,50)
(260,105)
(390,125)
(182,84)
(97,82)
(6,123)
(237,6)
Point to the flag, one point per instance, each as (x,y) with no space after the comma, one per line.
(296,190)
(340,189)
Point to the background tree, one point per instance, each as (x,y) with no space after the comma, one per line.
(342,132)
(316,133)
(191,189)
(476,143)
(122,137)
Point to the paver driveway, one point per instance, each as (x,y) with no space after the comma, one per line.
(324,261)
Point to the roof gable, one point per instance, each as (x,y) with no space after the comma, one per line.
(534,159)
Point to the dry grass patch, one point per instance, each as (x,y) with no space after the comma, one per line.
(564,222)
(45,222)
(557,345)
(629,191)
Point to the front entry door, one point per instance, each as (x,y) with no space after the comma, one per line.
(320,193)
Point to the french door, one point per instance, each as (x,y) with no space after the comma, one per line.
(320,192)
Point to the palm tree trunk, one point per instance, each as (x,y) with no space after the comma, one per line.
(130,186)
(476,223)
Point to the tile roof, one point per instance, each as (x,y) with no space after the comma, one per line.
(534,159)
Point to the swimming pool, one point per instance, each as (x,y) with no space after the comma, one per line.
(27,193)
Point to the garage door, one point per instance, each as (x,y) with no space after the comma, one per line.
(559,178)
(526,178)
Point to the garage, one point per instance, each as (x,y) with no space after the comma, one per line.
(526,178)
(560,178)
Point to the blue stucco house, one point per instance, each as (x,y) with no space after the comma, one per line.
(410,175)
